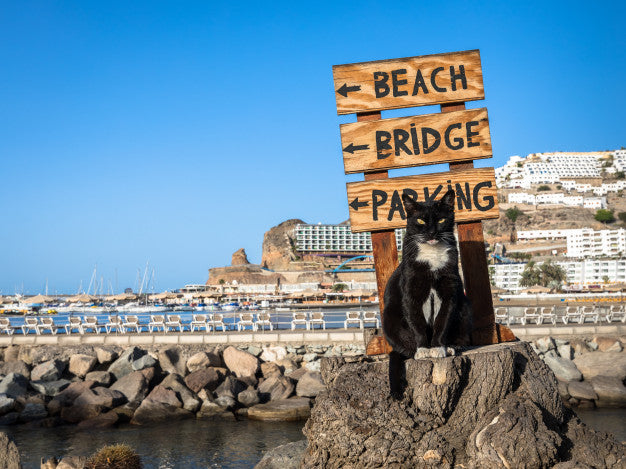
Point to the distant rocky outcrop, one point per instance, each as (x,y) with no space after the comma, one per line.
(279,246)
(239,258)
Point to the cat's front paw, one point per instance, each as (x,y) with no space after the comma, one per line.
(422,352)
(451,352)
(438,352)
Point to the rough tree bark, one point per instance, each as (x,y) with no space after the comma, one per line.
(491,407)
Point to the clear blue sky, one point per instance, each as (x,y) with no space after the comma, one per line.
(179,132)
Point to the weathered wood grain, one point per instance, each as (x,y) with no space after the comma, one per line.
(407,82)
(415,141)
(377,205)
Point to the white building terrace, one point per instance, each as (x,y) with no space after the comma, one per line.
(557,198)
(335,239)
(582,242)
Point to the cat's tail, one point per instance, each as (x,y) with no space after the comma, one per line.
(397,375)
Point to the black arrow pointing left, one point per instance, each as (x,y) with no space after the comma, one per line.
(352,148)
(355,204)
(345,89)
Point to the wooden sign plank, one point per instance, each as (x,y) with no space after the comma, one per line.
(407,82)
(415,141)
(377,204)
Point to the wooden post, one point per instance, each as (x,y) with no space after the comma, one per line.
(474,265)
(385,253)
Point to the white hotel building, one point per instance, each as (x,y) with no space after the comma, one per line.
(557,198)
(583,242)
(335,239)
(586,272)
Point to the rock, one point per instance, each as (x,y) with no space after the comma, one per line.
(310,385)
(563,368)
(13,385)
(204,378)
(562,387)
(309,357)
(209,409)
(50,388)
(199,361)
(145,362)
(248,397)
(581,390)
(312,366)
(102,378)
(72,462)
(134,387)
(124,364)
(297,374)
(231,387)
(610,390)
(593,346)
(9,455)
(66,397)
(276,387)
(492,406)
(268,369)
(288,410)
(283,457)
(602,364)
(105,355)
(11,353)
(544,344)
(287,365)
(81,364)
(239,258)
(160,405)
(608,344)
(107,419)
(185,395)
(242,364)
(7,404)
(579,347)
(254,350)
(225,402)
(33,412)
(565,351)
(103,397)
(15,366)
(172,361)
(48,371)
(273,354)
(9,419)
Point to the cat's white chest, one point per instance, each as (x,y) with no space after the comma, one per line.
(431,307)
(436,256)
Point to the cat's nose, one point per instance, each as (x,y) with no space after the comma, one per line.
(432,241)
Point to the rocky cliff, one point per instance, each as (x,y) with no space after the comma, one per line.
(279,246)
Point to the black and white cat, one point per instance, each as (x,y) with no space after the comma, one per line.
(426,310)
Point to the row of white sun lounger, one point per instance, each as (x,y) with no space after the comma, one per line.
(173,322)
(572,314)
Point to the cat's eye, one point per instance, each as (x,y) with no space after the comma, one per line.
(420,221)
(442,220)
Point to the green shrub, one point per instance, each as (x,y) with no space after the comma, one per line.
(544,188)
(604,216)
(114,457)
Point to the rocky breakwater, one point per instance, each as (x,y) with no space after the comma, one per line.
(491,407)
(101,386)
(591,372)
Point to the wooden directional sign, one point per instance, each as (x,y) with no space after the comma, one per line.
(376,205)
(415,141)
(412,81)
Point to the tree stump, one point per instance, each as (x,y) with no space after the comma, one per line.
(490,407)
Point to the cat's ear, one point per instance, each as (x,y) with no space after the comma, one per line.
(448,199)
(409,205)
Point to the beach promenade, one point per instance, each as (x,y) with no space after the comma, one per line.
(280,337)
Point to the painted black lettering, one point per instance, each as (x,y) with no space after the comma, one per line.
(400,137)
(382,143)
(458,76)
(380,84)
(396,206)
(419,84)
(433,80)
(458,142)
(463,198)
(430,148)
(414,140)
(410,193)
(489,198)
(431,198)
(397,82)
(378,198)
(470,134)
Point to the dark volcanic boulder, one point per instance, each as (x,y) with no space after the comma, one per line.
(161,405)
(491,407)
